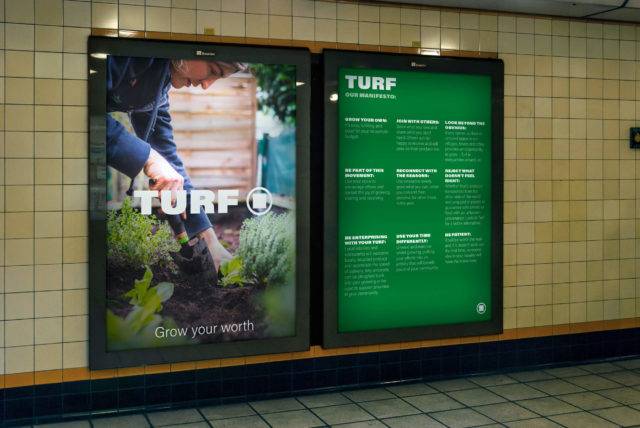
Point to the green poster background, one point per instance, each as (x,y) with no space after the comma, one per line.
(451,294)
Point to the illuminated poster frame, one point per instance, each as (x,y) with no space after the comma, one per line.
(99,49)
(334,61)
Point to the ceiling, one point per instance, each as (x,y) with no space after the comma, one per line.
(616,10)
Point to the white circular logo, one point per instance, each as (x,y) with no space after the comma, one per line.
(259,201)
(481,308)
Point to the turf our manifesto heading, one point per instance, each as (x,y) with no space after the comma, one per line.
(374,83)
(381,86)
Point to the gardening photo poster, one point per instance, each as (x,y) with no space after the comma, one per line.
(201,199)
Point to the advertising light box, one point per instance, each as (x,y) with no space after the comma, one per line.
(413,197)
(199,195)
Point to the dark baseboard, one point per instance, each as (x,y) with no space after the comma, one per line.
(65,401)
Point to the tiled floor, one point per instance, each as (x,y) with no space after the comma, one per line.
(595,395)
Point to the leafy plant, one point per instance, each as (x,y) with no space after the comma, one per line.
(138,240)
(277,92)
(267,248)
(231,272)
(137,329)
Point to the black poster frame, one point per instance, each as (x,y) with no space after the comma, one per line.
(333,61)
(98,50)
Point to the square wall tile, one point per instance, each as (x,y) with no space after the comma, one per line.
(104,15)
(48,330)
(18,359)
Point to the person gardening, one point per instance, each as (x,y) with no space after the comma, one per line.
(140,87)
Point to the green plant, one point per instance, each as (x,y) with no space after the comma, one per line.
(231,272)
(138,328)
(138,240)
(277,93)
(267,248)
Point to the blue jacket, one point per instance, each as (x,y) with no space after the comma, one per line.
(140,88)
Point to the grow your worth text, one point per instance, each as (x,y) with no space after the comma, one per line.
(194,331)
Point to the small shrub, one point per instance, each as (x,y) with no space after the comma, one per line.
(138,240)
(137,329)
(231,272)
(267,249)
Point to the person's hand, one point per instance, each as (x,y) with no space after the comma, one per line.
(219,254)
(163,176)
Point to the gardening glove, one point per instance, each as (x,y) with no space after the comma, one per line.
(194,258)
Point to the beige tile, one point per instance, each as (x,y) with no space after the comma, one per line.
(48,65)
(19,36)
(75,328)
(390,15)
(369,33)
(208,4)
(74,171)
(48,38)
(183,21)
(280,7)
(48,91)
(48,118)
(131,17)
(18,144)
(75,249)
(74,198)
(506,43)
(258,6)
(19,225)
(48,250)
(19,11)
(75,41)
(18,359)
(158,18)
(232,24)
(75,276)
(104,15)
(74,145)
(326,30)
(48,12)
(48,304)
(347,32)
(19,171)
(75,223)
(49,198)
(75,302)
(303,28)
(488,22)
(257,25)
(344,10)
(48,330)
(48,357)
(77,14)
(390,34)
(48,171)
(48,277)
(18,306)
(75,354)
(18,279)
(19,198)
(525,44)
(430,37)
(48,224)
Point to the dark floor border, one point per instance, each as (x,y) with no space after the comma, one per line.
(65,401)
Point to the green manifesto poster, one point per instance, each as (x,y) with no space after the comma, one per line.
(414,207)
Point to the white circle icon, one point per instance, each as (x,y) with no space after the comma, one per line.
(481,308)
(259,201)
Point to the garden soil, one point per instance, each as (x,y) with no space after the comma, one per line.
(196,301)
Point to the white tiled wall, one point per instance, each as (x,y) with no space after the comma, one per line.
(571,186)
